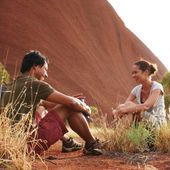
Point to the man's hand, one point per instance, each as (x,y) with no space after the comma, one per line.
(85,106)
(82,98)
(79,96)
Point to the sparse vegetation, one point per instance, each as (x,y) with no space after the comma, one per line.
(165,81)
(14,152)
(162,139)
(4,75)
(136,139)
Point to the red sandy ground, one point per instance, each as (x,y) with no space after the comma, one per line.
(78,161)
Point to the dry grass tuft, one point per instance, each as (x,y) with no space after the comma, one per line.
(134,139)
(162,139)
(14,152)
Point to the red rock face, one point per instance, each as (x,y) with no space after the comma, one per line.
(89,48)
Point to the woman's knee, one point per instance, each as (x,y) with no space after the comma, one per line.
(130,103)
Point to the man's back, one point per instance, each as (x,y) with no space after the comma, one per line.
(25,93)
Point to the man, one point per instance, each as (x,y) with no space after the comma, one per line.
(68,143)
(28,90)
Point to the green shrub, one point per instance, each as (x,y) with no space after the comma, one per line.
(165,81)
(139,137)
(4,76)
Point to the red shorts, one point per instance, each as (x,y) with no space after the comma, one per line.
(50,130)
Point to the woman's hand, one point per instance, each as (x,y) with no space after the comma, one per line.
(119,111)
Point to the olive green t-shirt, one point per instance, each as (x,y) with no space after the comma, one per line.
(24,94)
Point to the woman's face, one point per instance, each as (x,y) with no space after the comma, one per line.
(139,75)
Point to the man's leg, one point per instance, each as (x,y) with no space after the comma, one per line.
(76,121)
(69,144)
(51,128)
(79,125)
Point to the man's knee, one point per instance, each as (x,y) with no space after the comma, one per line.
(63,111)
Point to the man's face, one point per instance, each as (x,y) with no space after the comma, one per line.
(41,72)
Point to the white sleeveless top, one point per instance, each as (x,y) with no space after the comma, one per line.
(157,112)
(155,85)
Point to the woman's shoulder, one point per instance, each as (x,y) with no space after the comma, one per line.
(138,86)
(136,89)
(155,83)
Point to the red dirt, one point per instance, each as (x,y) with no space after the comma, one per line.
(77,161)
(89,47)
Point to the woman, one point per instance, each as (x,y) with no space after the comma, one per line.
(146,100)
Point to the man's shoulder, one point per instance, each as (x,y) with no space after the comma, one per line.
(42,85)
(40,82)
(30,82)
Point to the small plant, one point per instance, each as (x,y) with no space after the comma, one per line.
(139,136)
(4,76)
(4,79)
(116,138)
(98,120)
(94,110)
(165,81)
